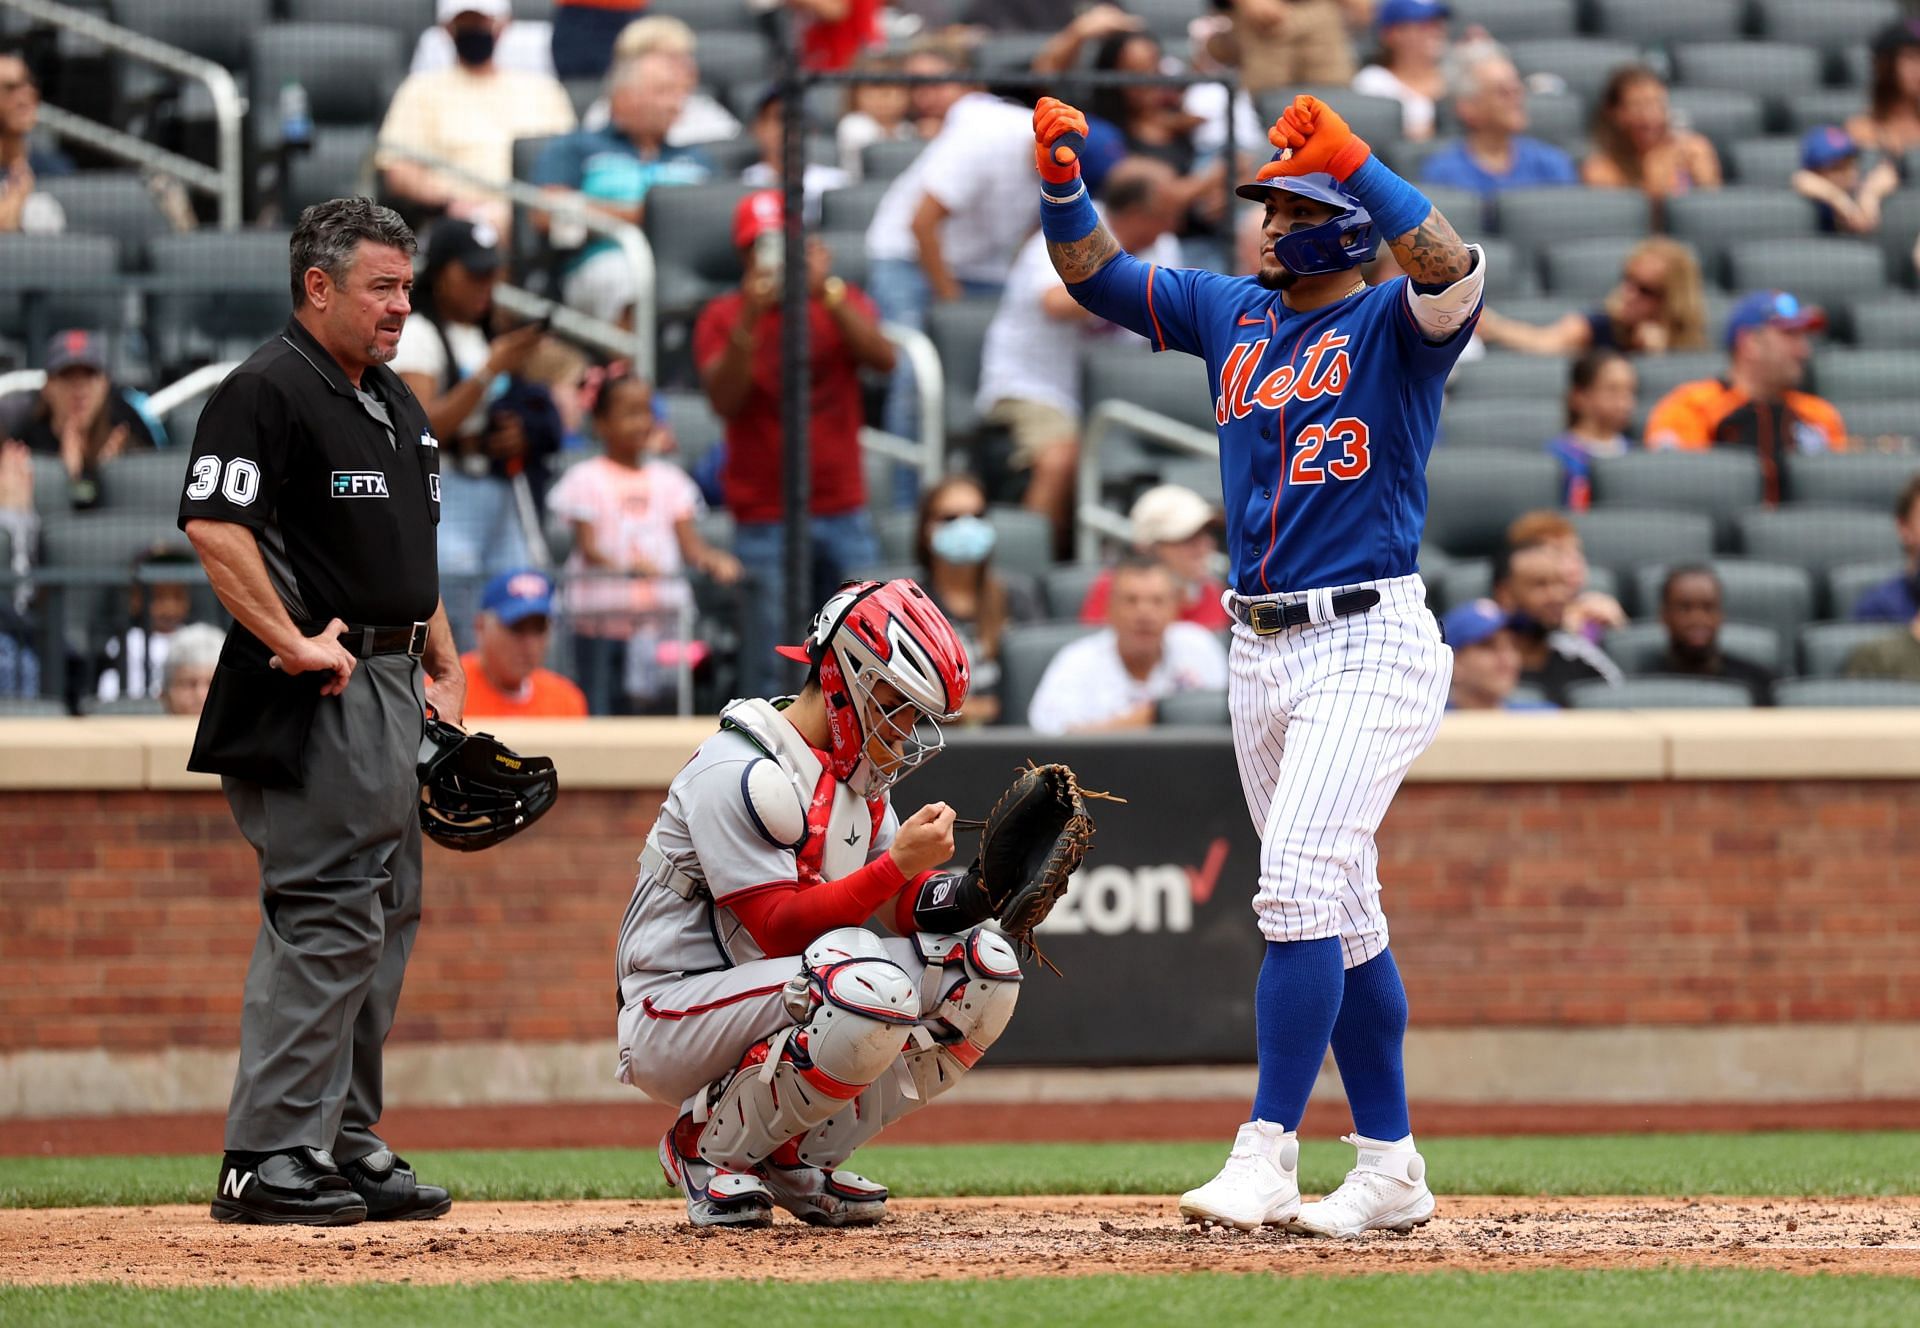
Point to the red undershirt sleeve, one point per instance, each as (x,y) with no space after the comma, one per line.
(784,919)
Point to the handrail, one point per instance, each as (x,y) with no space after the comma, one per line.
(930,378)
(1092,519)
(229,108)
(575,207)
(182,390)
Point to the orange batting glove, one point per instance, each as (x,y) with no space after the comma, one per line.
(1059,137)
(1316,138)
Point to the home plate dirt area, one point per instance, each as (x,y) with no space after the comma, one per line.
(945,1238)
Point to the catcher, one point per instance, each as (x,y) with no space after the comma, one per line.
(753,994)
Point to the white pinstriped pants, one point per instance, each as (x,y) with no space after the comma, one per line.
(1326,720)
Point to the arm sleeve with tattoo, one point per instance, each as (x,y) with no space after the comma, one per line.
(1162,304)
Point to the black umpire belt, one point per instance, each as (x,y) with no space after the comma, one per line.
(366,642)
(1266,617)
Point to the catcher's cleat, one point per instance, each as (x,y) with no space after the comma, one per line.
(715,1198)
(1258,1187)
(1387,1191)
(824,1198)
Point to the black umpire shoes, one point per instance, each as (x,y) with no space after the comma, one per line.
(300,1187)
(392,1193)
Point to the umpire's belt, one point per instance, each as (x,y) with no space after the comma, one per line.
(1266,617)
(366,642)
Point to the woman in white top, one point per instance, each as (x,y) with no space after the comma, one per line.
(1410,67)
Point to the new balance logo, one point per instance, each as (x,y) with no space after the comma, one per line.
(235,1184)
(359,484)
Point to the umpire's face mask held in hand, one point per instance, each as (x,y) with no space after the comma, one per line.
(473,43)
(965,540)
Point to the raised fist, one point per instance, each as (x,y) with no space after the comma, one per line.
(1314,137)
(1059,140)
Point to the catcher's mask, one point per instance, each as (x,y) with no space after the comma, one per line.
(872,632)
(475,792)
(1344,240)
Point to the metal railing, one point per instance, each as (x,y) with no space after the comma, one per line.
(1092,519)
(225,181)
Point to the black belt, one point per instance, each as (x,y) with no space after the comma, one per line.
(1265,617)
(366,642)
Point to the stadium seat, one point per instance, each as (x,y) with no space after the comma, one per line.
(1850,479)
(1840,374)
(1828,23)
(1824,269)
(851,208)
(1583,63)
(704,15)
(1510,269)
(1846,584)
(1663,22)
(1199,473)
(1472,493)
(1173,385)
(1519,424)
(1518,20)
(583,92)
(690,227)
(728,57)
(1724,116)
(1899,223)
(887,158)
(1583,270)
(1776,595)
(1065,587)
(1623,539)
(1715,220)
(1825,646)
(1660,694)
(349,73)
(338,165)
(215,30)
(127,705)
(1890,321)
(1025,651)
(1846,692)
(696,429)
(1778,70)
(1499,377)
(31,270)
(145,482)
(407,19)
(1008,52)
(1549,215)
(1376,119)
(1023,540)
(1202,708)
(1816,537)
(1768,163)
(1718,483)
(849,256)
(1560,118)
(1823,106)
(117,204)
(1463,582)
(52,491)
(1639,647)
(1660,374)
(1883,423)
(1165,19)
(1463,207)
(32,707)
(958,330)
(244,275)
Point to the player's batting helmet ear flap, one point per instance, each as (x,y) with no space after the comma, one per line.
(1343,241)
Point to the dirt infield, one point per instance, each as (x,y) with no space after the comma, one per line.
(941,1238)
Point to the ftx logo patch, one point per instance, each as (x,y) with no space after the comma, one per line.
(359,484)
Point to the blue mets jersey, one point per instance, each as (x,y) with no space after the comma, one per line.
(1326,418)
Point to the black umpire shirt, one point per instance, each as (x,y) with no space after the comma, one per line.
(341,486)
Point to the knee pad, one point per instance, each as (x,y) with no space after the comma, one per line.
(978,983)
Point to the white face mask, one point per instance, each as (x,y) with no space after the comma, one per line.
(966,540)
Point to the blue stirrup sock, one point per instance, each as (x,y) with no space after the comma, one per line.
(1395,206)
(1367,1040)
(1067,216)
(1295,1004)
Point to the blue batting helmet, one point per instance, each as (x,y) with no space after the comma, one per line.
(1343,241)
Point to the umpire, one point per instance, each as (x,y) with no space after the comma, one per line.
(312,499)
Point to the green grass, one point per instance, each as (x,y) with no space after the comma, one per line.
(1836,1163)
(1658,1298)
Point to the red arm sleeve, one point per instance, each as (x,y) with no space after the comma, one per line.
(783,919)
(903,923)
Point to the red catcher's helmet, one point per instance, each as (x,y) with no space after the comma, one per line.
(872,632)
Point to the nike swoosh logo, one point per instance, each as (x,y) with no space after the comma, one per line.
(1250,322)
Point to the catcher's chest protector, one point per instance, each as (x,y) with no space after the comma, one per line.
(838,825)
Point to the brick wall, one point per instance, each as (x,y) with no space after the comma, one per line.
(126,918)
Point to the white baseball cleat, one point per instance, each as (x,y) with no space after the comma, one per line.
(1386,1191)
(1258,1187)
(826,1198)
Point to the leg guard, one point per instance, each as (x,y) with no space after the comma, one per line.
(855,1007)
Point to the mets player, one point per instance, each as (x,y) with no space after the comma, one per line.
(1327,394)
(752,993)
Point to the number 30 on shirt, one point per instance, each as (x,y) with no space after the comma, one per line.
(1349,460)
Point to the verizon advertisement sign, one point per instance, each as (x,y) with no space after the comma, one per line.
(1156,940)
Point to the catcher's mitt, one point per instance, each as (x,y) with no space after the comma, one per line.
(1030,843)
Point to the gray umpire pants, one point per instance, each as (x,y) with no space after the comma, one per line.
(339,906)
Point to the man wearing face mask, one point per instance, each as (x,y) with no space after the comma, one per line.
(468,116)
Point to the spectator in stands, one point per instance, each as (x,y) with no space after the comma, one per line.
(513,631)
(735,350)
(1659,305)
(616,168)
(1636,144)
(1409,66)
(1154,122)
(133,660)
(1115,678)
(1177,528)
(18,519)
(1895,656)
(1530,584)
(769,132)
(468,116)
(632,514)
(950,224)
(1758,403)
(1898,600)
(191,657)
(1602,395)
(1091,26)
(460,377)
(702,118)
(19,664)
(1590,613)
(1024,15)
(21,163)
(876,113)
(954,549)
(1284,43)
(525,47)
(1486,660)
(1847,199)
(833,33)
(78,415)
(1494,151)
(584,32)
(1690,610)
(1891,121)
(1030,363)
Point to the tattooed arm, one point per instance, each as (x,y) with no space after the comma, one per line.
(1432,254)
(1076,260)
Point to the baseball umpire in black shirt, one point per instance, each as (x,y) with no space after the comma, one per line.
(312,499)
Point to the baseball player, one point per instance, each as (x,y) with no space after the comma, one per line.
(1327,393)
(752,993)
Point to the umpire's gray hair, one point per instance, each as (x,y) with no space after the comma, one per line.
(329,234)
(195,645)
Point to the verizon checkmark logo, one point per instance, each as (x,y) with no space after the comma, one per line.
(1202,879)
(1109,899)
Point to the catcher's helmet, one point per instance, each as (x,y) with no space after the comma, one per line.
(475,792)
(1343,241)
(872,632)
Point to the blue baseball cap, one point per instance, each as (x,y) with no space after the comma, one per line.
(1773,308)
(1472,623)
(1822,147)
(513,597)
(1409,11)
